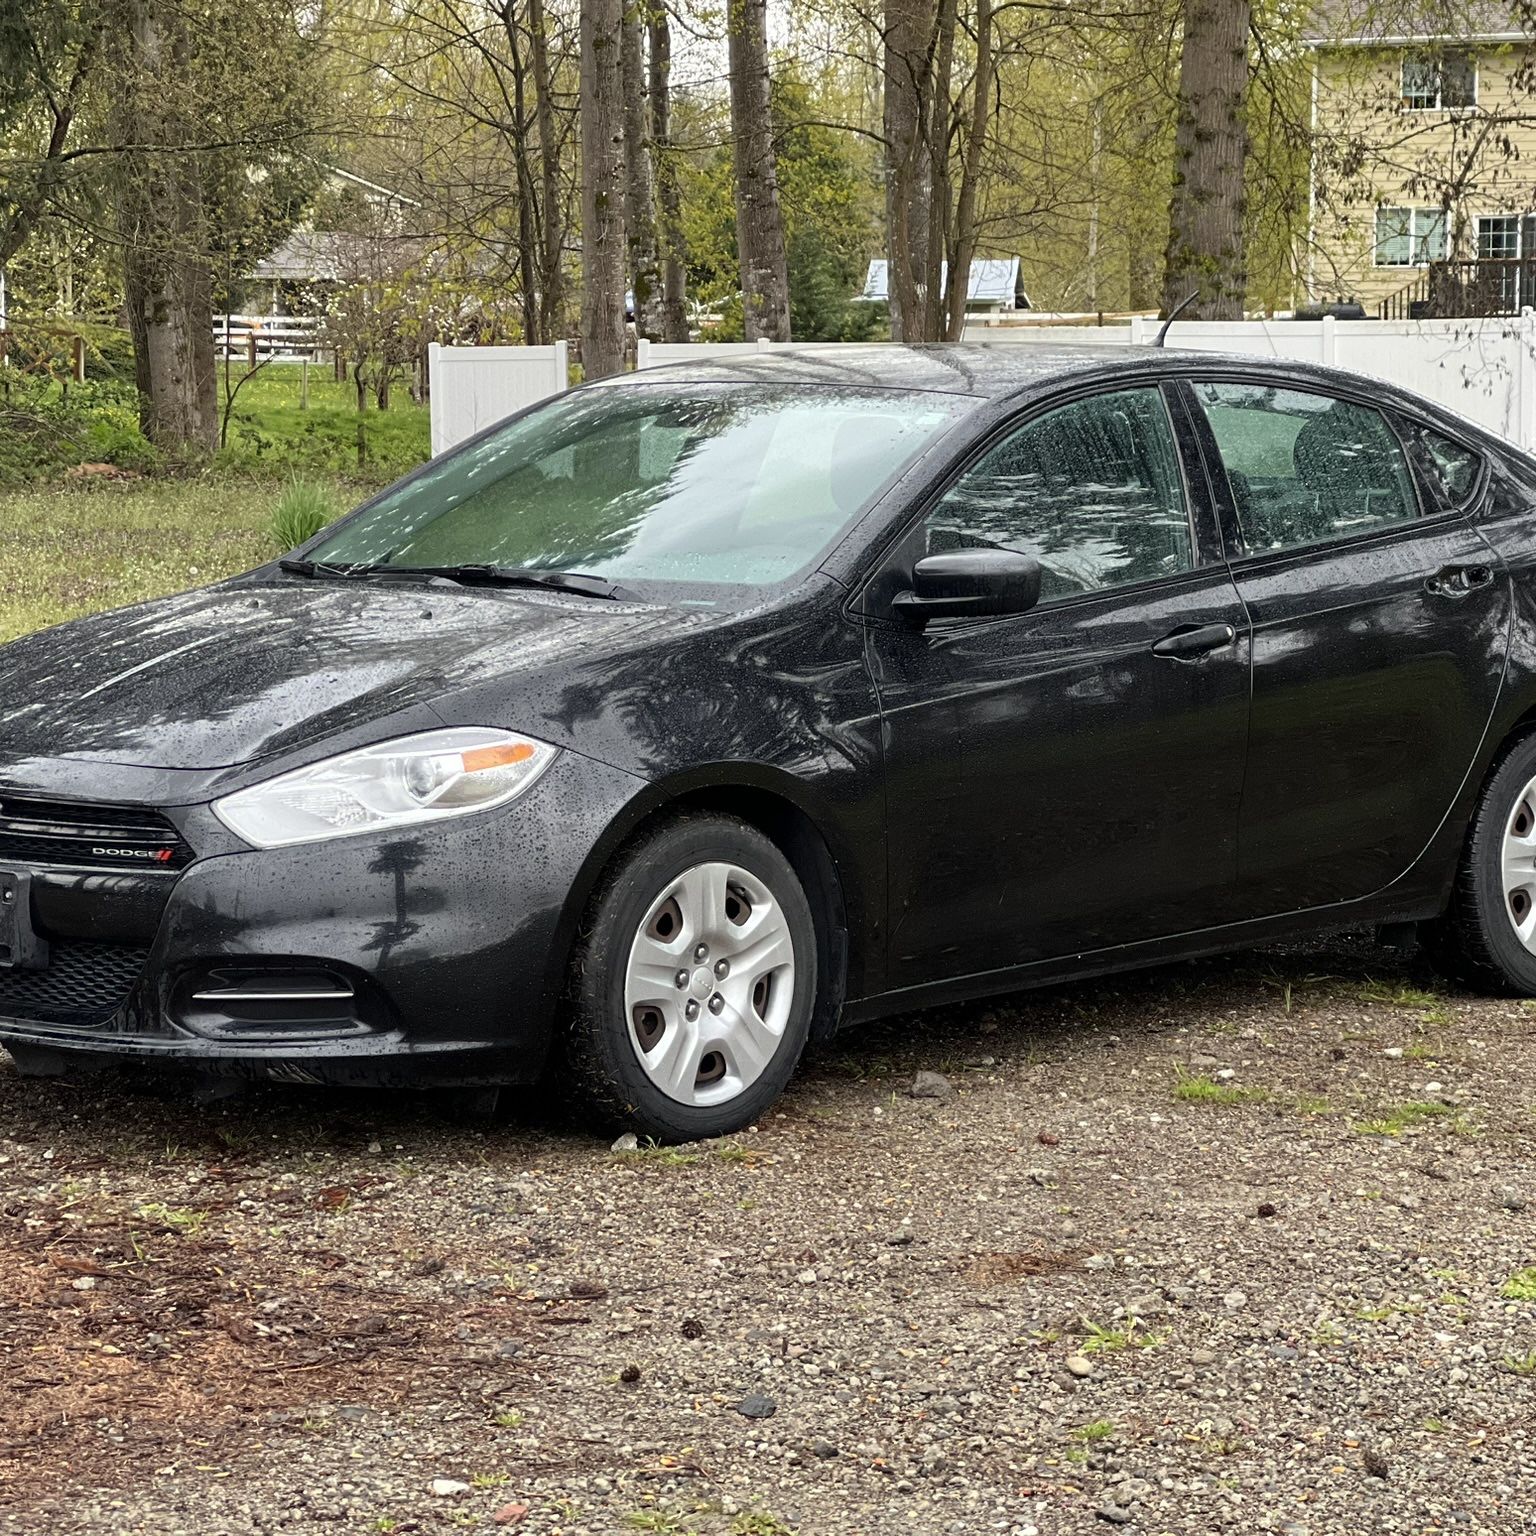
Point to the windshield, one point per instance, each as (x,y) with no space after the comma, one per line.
(685,486)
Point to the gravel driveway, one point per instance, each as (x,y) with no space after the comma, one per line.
(1240,1246)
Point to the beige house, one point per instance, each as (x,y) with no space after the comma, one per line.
(1423,175)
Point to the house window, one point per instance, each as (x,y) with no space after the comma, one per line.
(1409,237)
(1439,81)
(1498,237)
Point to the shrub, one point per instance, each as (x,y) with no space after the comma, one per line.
(304,508)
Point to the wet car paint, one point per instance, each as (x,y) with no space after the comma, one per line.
(985,805)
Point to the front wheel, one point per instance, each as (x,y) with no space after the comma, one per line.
(1488,934)
(694,981)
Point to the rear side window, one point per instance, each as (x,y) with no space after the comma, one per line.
(1092,490)
(1306,468)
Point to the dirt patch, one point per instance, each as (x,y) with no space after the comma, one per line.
(1241,1246)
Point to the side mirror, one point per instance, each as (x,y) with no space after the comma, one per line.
(964,583)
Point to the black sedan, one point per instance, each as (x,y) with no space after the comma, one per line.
(652,733)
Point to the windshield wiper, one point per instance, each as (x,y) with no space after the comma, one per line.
(324,568)
(577,582)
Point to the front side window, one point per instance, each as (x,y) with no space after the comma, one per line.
(1439,81)
(1092,490)
(1409,237)
(677,491)
(1306,468)
(1453,469)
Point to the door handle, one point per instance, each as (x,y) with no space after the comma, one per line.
(1456,581)
(1191,644)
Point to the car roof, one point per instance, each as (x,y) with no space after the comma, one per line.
(986,372)
(979,371)
(1004,370)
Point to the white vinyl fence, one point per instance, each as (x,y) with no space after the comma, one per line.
(1485,369)
(474,387)
(657,354)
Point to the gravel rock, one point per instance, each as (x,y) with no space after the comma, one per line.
(756,1406)
(304,1336)
(1078,1365)
(931,1085)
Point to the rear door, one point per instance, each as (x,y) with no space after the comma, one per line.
(1379,620)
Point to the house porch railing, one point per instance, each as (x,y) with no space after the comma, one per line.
(1455,290)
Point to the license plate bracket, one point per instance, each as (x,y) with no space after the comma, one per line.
(22,948)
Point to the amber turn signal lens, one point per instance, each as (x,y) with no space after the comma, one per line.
(478,759)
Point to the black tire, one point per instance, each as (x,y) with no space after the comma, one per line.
(600,1063)
(1475,940)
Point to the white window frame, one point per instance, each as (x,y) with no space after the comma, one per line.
(1518,219)
(1438,105)
(1417,237)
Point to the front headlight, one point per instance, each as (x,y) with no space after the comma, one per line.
(394,784)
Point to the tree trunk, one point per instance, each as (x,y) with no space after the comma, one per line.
(669,197)
(759,220)
(1205,238)
(602,188)
(551,210)
(912,266)
(639,185)
(527,199)
(962,246)
(167,279)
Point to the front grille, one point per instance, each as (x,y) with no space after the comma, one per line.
(38,831)
(84,984)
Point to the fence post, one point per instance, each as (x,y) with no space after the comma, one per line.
(1525,380)
(763,343)
(1138,330)
(1330,339)
(435,395)
(642,354)
(563,365)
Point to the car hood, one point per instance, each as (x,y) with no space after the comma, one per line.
(236,674)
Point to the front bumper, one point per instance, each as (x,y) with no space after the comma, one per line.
(433,956)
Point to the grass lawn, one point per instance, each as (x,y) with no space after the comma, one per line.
(78,549)
(269,430)
(69,552)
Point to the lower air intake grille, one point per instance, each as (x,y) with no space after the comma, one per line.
(39,831)
(84,984)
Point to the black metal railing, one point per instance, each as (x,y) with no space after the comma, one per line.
(1458,290)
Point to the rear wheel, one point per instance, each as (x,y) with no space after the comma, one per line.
(1488,935)
(694,982)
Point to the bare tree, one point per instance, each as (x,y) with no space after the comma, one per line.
(963,233)
(168,287)
(551,206)
(913,270)
(602,188)
(639,182)
(1205,238)
(669,196)
(53,51)
(759,219)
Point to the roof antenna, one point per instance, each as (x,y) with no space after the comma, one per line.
(1173,314)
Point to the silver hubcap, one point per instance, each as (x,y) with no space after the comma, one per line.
(709,985)
(1519,867)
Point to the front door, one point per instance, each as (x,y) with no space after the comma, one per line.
(1067,779)
(1379,633)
